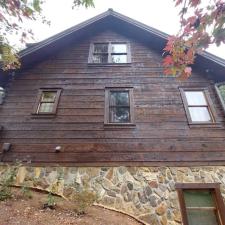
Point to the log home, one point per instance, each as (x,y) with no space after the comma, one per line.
(92,104)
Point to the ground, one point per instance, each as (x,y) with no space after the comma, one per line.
(22,210)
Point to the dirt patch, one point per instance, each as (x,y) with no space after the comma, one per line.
(20,211)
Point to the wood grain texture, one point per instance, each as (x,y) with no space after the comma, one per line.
(161,135)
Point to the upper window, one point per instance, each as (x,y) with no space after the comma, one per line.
(119,106)
(198,106)
(47,101)
(220,89)
(103,53)
(201,204)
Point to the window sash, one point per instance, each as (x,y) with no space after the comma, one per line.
(109,107)
(218,206)
(113,109)
(52,104)
(110,53)
(218,91)
(208,105)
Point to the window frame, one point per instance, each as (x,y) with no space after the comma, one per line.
(214,187)
(209,106)
(38,101)
(109,52)
(219,95)
(107,105)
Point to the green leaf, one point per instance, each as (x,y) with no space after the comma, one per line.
(36,5)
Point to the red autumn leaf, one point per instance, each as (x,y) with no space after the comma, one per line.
(188,71)
(178,2)
(168,61)
(194,3)
(167,71)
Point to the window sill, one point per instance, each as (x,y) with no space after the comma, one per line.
(109,64)
(119,125)
(205,125)
(43,115)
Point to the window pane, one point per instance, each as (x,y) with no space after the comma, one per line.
(195,198)
(119,115)
(100,58)
(46,107)
(119,98)
(48,96)
(100,48)
(222,91)
(119,58)
(119,48)
(200,114)
(195,98)
(201,217)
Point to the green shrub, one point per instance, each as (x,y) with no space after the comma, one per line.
(50,203)
(83,199)
(26,192)
(7,181)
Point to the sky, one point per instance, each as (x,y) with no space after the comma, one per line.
(160,14)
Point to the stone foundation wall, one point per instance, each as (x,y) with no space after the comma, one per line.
(147,193)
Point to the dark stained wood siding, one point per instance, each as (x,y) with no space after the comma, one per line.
(161,136)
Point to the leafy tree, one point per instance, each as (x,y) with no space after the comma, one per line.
(201,25)
(13,13)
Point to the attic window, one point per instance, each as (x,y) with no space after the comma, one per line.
(47,101)
(114,53)
(220,89)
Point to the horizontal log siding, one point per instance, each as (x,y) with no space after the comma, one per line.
(161,135)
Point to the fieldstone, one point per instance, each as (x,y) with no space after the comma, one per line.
(142,197)
(161,209)
(52,176)
(109,174)
(153,200)
(153,184)
(21,174)
(124,189)
(109,201)
(78,179)
(147,191)
(132,170)
(122,169)
(163,187)
(111,193)
(159,192)
(180,176)
(164,220)
(127,196)
(128,177)
(99,190)
(118,203)
(177,216)
(130,186)
(69,178)
(93,172)
(37,172)
(150,219)
(172,185)
(168,174)
(169,215)
(107,185)
(161,179)
(173,203)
